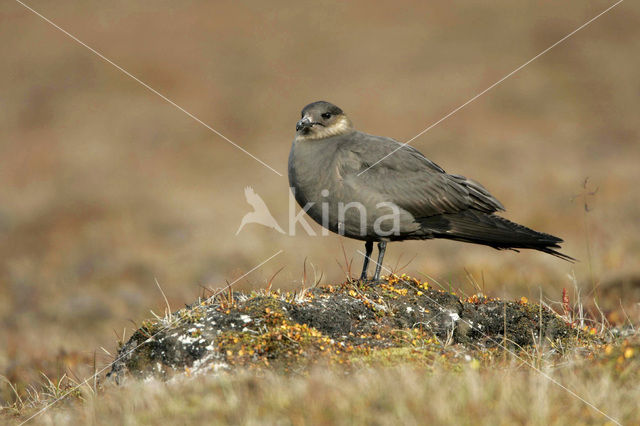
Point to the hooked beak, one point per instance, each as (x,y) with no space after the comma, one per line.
(304,124)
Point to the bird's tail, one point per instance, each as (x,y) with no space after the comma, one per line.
(488,229)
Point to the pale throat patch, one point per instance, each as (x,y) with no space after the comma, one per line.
(340,127)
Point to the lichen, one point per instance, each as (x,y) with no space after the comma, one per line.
(400,319)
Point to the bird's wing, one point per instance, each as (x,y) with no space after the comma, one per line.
(408,179)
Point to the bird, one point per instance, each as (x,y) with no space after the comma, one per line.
(261,213)
(377,190)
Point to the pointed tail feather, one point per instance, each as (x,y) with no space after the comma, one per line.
(488,229)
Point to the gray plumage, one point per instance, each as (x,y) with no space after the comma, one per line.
(405,191)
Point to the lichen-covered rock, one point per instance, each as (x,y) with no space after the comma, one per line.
(328,324)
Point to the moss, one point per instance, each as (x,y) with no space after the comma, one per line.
(145,357)
(283,344)
(400,319)
(622,358)
(192,314)
(149,327)
(267,306)
(394,356)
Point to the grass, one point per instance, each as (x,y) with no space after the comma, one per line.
(577,380)
(105,188)
(458,391)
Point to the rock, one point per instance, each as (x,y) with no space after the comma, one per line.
(332,324)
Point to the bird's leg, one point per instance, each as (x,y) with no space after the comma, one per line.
(382,246)
(368,246)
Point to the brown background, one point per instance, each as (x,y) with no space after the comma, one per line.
(105,187)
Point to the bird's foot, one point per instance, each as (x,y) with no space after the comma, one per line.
(370,281)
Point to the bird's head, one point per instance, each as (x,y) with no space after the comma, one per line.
(321,120)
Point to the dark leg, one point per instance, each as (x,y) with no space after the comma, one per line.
(368,246)
(382,246)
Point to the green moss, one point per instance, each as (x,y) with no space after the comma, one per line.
(192,315)
(284,343)
(149,327)
(264,306)
(354,322)
(388,357)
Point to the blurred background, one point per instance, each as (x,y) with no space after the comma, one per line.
(105,187)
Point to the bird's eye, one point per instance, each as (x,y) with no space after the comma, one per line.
(326,115)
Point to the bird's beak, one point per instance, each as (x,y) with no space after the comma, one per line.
(306,122)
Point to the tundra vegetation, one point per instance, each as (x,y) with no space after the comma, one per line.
(105,189)
(401,350)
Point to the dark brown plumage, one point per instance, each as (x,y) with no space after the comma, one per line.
(404,189)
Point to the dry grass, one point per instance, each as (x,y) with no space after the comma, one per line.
(506,392)
(578,380)
(105,188)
